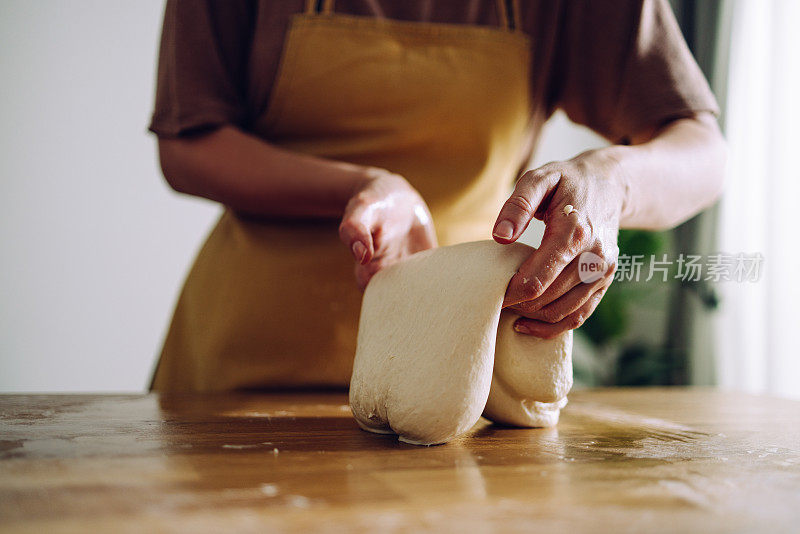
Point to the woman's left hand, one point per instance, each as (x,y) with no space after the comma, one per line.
(558,287)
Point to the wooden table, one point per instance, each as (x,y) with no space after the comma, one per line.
(620,461)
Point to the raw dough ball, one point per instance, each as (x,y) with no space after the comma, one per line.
(531,378)
(426,348)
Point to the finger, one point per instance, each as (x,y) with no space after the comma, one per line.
(565,236)
(569,303)
(364,273)
(355,232)
(546,330)
(586,273)
(423,237)
(530,192)
(568,279)
(363,276)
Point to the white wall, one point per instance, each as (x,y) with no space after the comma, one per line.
(93,244)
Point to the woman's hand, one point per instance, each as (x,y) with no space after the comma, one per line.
(560,285)
(385,221)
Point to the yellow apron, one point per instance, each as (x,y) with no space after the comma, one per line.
(447,106)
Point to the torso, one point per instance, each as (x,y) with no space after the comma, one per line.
(447,106)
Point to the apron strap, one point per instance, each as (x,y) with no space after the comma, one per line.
(517,16)
(504,9)
(508,13)
(502,13)
(324,7)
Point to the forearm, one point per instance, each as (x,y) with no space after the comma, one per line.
(255,177)
(670,175)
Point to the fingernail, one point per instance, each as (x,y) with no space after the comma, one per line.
(521,327)
(359,251)
(504,229)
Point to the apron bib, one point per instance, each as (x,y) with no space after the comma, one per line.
(447,106)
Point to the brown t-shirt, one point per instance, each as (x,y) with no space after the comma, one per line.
(616,66)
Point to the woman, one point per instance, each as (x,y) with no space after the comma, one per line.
(364,132)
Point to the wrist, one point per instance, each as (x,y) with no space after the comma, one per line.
(613,168)
(378,183)
(353,183)
(359,178)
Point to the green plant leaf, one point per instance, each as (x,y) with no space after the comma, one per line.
(609,320)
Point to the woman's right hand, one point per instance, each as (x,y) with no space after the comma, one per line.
(385,221)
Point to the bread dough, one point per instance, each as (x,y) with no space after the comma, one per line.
(426,348)
(531,377)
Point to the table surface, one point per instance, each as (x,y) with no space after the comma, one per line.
(620,460)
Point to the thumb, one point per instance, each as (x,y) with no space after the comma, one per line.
(515,215)
(356,233)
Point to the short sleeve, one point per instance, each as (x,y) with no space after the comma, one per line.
(202,63)
(623,66)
